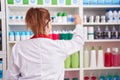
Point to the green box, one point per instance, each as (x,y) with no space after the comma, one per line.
(40,2)
(25,1)
(54,2)
(68,2)
(10,1)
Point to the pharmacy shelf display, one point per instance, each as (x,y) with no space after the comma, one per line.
(15,25)
(2,41)
(102,36)
(63,23)
(2,26)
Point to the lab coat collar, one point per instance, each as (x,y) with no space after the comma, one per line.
(40,36)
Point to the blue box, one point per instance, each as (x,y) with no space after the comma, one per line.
(115,2)
(107,2)
(93,2)
(85,2)
(100,2)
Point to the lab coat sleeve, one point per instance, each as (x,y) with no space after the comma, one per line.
(13,68)
(70,46)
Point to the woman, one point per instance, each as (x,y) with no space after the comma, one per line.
(41,58)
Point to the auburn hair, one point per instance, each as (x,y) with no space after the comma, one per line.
(36,19)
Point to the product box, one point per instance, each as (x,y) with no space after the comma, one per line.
(25,2)
(116,2)
(101,2)
(107,2)
(93,2)
(54,2)
(68,2)
(40,2)
(85,2)
(10,1)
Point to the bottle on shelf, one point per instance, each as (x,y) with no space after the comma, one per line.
(67,62)
(75,79)
(109,15)
(119,33)
(98,33)
(103,19)
(116,77)
(108,58)
(97,19)
(23,35)
(91,19)
(17,36)
(115,57)
(70,35)
(1,70)
(75,60)
(86,58)
(102,77)
(114,33)
(91,33)
(115,16)
(59,17)
(11,36)
(86,78)
(100,60)
(64,17)
(85,19)
(66,79)
(119,16)
(107,33)
(109,77)
(93,78)
(93,58)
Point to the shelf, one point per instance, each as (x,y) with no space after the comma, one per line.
(12,42)
(72,69)
(105,68)
(2,53)
(93,24)
(11,24)
(44,6)
(106,40)
(101,6)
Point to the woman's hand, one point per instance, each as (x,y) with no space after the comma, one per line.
(77,19)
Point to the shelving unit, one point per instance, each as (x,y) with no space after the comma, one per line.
(100,24)
(2,38)
(69,9)
(109,40)
(100,6)
(2,25)
(57,24)
(80,9)
(93,10)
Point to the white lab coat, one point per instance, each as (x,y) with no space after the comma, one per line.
(42,58)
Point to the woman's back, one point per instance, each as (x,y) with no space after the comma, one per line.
(38,62)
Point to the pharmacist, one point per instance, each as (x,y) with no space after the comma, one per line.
(41,58)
